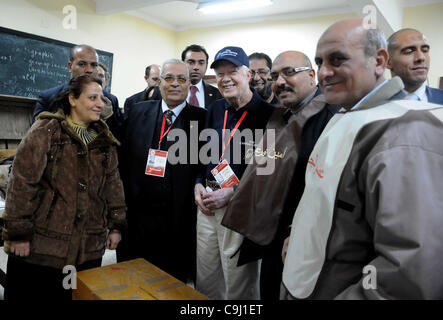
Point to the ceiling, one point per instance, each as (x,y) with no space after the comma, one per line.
(182,15)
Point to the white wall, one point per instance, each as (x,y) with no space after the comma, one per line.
(137,43)
(134,42)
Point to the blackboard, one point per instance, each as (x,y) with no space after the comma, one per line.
(30,64)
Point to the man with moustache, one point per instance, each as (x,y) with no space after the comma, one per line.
(83,59)
(297,126)
(368,225)
(409,59)
(220,275)
(161,209)
(260,65)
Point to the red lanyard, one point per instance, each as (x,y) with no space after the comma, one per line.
(232,133)
(163,134)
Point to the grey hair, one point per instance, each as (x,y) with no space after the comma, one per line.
(374,41)
(175,61)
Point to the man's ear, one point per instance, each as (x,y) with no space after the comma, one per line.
(389,66)
(312,75)
(381,62)
(69,66)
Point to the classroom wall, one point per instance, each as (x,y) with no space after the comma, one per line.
(136,42)
(428,19)
(270,37)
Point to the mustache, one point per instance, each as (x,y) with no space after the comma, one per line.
(283,88)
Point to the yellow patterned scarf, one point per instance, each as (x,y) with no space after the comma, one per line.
(85,133)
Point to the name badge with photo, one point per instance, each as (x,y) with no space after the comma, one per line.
(156,164)
(224,175)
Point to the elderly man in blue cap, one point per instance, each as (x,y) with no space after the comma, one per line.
(220,272)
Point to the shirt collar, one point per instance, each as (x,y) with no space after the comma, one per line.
(199,86)
(176,110)
(251,105)
(421,92)
(370,94)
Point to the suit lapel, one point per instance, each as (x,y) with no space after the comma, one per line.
(149,123)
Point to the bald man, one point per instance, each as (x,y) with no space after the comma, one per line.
(368,225)
(409,59)
(297,125)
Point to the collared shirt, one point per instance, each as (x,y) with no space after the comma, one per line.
(176,110)
(420,93)
(257,117)
(200,94)
(370,94)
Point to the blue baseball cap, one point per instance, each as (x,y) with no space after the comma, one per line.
(236,55)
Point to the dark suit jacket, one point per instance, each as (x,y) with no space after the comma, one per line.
(139,97)
(211,94)
(434,95)
(46,97)
(161,211)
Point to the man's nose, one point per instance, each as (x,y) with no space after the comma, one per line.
(280,80)
(324,71)
(420,56)
(90,69)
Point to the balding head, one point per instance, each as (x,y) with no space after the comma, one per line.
(294,78)
(83,59)
(351,61)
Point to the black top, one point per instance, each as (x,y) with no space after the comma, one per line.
(258,113)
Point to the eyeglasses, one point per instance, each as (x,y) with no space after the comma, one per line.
(261,72)
(288,72)
(171,79)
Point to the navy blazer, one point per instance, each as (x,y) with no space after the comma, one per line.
(115,122)
(434,95)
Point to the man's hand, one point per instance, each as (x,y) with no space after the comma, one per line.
(113,240)
(285,249)
(20,248)
(199,192)
(217,199)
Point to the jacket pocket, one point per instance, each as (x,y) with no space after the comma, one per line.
(95,241)
(50,243)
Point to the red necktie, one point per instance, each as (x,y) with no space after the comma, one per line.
(193,98)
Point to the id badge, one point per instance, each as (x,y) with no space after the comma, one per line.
(224,175)
(156,164)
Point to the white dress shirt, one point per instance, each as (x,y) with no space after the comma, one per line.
(420,93)
(200,94)
(176,110)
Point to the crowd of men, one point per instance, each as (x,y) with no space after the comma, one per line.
(357,168)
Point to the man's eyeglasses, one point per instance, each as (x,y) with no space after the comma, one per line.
(288,72)
(261,72)
(171,79)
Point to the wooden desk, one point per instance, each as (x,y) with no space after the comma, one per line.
(131,280)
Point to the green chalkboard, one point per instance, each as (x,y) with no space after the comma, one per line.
(30,64)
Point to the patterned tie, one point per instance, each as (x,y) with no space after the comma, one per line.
(168,116)
(193,98)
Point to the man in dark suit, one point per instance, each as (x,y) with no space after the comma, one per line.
(83,59)
(409,59)
(161,209)
(152,78)
(201,93)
